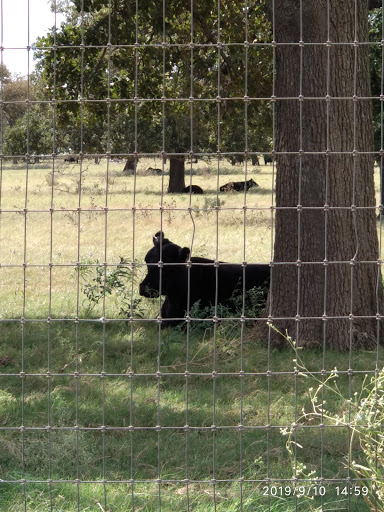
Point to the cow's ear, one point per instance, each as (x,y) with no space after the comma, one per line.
(184,253)
(158,238)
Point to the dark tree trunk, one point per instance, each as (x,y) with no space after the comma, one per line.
(130,166)
(176,174)
(255,160)
(318,233)
(381,164)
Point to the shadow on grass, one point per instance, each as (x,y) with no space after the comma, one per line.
(106,375)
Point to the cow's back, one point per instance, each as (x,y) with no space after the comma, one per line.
(204,284)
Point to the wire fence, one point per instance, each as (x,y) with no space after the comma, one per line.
(113,398)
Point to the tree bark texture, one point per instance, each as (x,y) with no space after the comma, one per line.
(326,245)
(176,174)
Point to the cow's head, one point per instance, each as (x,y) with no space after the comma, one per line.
(166,268)
(252,183)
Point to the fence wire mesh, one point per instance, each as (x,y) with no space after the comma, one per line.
(113,398)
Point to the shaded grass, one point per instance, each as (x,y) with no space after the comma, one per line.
(144,401)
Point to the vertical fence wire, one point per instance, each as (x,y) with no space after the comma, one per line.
(355,257)
(379,299)
(270,297)
(243,310)
(50,309)
(299,229)
(216,264)
(326,220)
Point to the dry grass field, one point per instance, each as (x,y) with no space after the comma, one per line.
(100,214)
(79,228)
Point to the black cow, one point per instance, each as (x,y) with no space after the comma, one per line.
(192,189)
(202,279)
(71,159)
(238,186)
(154,170)
(239,159)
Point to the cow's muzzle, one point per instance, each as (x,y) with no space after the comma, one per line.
(146,291)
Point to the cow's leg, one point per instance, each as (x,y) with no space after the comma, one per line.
(171,309)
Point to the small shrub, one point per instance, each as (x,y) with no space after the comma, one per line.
(99,280)
(364,416)
(249,306)
(49,179)
(209,206)
(169,210)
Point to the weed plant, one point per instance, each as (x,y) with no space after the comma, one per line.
(363,416)
(99,280)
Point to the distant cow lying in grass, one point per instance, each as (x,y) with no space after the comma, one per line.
(153,170)
(202,282)
(192,189)
(238,186)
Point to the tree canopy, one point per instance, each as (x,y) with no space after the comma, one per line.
(133,81)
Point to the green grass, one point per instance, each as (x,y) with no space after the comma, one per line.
(141,399)
(91,401)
